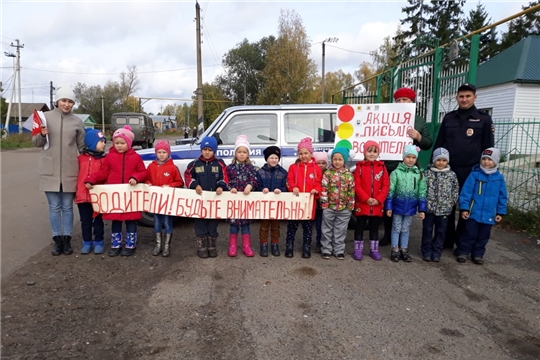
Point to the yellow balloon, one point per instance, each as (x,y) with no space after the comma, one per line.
(345,131)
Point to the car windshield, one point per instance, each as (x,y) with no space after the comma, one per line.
(210,128)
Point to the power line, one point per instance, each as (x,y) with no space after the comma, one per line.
(357,52)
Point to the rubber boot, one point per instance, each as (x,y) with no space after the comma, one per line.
(246,245)
(116,244)
(66,242)
(233,240)
(263,249)
(306,250)
(86,247)
(274,247)
(202,248)
(212,249)
(289,247)
(157,248)
(131,243)
(58,246)
(374,250)
(98,247)
(358,248)
(167,246)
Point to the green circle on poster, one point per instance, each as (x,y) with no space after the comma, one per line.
(344,143)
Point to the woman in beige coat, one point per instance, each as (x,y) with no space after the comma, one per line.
(58,166)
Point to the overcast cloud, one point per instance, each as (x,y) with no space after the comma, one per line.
(92,42)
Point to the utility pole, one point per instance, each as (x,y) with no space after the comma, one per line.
(8,114)
(51,91)
(330,40)
(199,91)
(102,114)
(18,46)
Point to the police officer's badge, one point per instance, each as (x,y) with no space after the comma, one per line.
(470,132)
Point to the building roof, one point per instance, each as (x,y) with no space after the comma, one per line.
(27,109)
(518,64)
(86,118)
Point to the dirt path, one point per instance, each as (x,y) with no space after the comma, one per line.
(182,307)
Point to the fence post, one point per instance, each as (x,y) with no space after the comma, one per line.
(473,58)
(436,94)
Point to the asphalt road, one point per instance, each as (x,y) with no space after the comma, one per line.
(280,308)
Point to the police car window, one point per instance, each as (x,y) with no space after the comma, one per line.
(318,126)
(259,129)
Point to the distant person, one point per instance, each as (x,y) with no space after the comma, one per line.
(272,178)
(58,166)
(195,132)
(482,203)
(243,178)
(442,195)
(371,188)
(91,159)
(186,133)
(421,137)
(406,197)
(303,176)
(465,132)
(122,165)
(163,172)
(207,173)
(321,157)
(337,202)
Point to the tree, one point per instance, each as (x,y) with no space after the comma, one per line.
(334,82)
(521,27)
(290,74)
(414,23)
(244,67)
(213,105)
(478,19)
(128,84)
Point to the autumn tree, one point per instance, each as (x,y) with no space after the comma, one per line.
(244,66)
(290,74)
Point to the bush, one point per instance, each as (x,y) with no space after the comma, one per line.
(527,222)
(16,141)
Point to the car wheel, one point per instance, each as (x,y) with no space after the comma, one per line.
(150,144)
(147,220)
(144,145)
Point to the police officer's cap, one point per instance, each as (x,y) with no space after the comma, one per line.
(467,87)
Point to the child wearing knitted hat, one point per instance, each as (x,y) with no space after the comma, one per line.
(90,161)
(207,173)
(321,158)
(303,176)
(371,188)
(442,194)
(406,197)
(121,166)
(271,178)
(482,202)
(337,201)
(163,172)
(242,177)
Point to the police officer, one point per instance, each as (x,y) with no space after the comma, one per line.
(465,133)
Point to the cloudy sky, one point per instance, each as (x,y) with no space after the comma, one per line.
(92,42)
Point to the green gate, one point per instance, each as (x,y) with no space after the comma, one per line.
(435,77)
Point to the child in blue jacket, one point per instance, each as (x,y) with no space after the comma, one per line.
(482,202)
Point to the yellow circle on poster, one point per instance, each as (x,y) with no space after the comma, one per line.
(345,131)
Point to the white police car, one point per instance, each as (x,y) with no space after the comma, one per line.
(264,125)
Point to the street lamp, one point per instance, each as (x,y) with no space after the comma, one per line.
(329,40)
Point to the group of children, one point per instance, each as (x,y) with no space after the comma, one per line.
(366,192)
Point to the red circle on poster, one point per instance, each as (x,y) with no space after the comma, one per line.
(345,113)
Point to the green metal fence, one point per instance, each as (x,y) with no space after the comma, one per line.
(519,142)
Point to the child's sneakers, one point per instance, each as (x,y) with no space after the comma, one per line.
(461,259)
(325,256)
(405,255)
(478,261)
(340,256)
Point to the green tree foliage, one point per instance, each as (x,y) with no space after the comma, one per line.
(214,103)
(244,65)
(290,74)
(478,19)
(521,27)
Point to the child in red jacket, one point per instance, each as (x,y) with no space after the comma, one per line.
(303,176)
(90,161)
(121,166)
(163,172)
(371,187)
